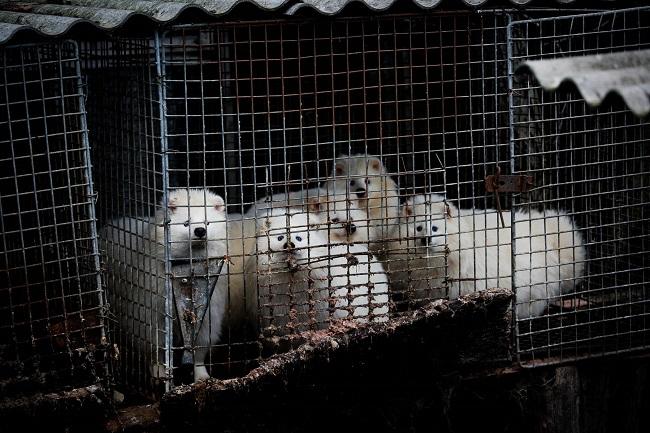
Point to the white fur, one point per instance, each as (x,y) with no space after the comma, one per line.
(135,253)
(282,200)
(345,222)
(410,264)
(364,179)
(285,274)
(549,259)
(241,245)
(358,283)
(317,272)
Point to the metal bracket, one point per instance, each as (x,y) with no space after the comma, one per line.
(508,183)
(496,183)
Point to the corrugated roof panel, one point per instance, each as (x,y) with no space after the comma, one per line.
(168,10)
(103,17)
(332,7)
(57,19)
(50,25)
(7,30)
(626,74)
(158,10)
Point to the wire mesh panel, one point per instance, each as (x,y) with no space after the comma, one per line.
(590,169)
(125,129)
(333,125)
(51,317)
(259,181)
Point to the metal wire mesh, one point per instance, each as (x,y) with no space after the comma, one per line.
(125,129)
(262,114)
(591,165)
(261,180)
(51,317)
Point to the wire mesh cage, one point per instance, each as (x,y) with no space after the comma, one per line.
(263,181)
(295,146)
(589,165)
(343,117)
(51,311)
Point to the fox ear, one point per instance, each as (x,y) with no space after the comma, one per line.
(314,205)
(172,204)
(218,203)
(374,164)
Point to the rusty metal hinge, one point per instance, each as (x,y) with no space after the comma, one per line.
(508,183)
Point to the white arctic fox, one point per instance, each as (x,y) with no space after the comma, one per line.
(550,253)
(285,275)
(135,254)
(410,264)
(364,179)
(358,282)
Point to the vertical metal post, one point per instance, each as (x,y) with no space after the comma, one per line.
(169,329)
(90,193)
(511,139)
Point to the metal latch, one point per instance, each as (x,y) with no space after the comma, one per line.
(496,183)
(508,183)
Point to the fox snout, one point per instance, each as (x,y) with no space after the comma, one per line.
(200,232)
(427,241)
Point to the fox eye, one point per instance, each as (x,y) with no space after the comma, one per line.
(280,237)
(335,220)
(351,183)
(434,228)
(418,228)
(299,238)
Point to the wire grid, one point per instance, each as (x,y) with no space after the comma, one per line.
(256,110)
(259,114)
(51,317)
(125,129)
(592,164)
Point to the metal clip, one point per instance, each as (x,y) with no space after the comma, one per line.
(497,183)
(508,183)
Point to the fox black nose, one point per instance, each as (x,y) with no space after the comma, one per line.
(351,228)
(360,192)
(289,246)
(424,241)
(200,232)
